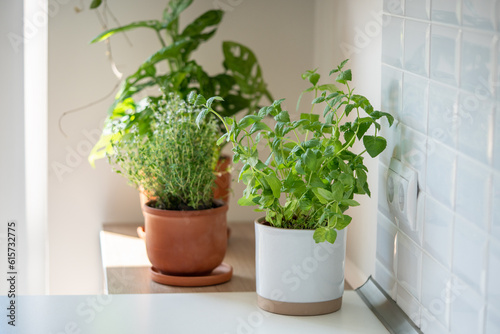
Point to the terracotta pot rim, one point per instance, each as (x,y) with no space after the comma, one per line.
(192,213)
(285,230)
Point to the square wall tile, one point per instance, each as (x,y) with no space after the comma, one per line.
(392,83)
(413,152)
(445,47)
(493,291)
(467,310)
(495,78)
(419,9)
(409,305)
(430,325)
(393,137)
(479,14)
(495,207)
(415,98)
(475,127)
(477,64)
(394,7)
(436,281)
(441,173)
(446,11)
(492,321)
(469,254)
(386,243)
(386,280)
(409,265)
(416,44)
(438,231)
(443,113)
(392,41)
(473,191)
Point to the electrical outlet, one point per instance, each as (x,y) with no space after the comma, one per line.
(402,192)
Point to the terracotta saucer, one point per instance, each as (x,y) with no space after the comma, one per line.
(221,274)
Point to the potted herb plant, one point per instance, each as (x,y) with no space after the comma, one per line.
(186,228)
(304,181)
(241,83)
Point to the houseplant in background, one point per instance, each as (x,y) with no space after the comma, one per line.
(172,69)
(304,181)
(186,228)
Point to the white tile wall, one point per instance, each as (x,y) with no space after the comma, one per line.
(441,81)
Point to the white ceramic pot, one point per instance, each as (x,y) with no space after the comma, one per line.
(294,274)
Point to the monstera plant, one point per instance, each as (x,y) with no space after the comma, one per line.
(241,83)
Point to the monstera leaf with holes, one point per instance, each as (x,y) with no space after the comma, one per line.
(241,85)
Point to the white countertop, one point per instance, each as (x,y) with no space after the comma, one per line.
(222,313)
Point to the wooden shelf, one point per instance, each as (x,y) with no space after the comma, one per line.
(126,266)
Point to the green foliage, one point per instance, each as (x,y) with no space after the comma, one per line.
(308,175)
(176,165)
(241,84)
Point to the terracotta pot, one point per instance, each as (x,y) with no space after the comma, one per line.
(186,242)
(294,274)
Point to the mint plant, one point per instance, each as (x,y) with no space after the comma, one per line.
(309,174)
(241,84)
(176,165)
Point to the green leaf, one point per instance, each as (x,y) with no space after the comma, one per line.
(310,117)
(283,116)
(337,191)
(222,139)
(201,116)
(331,235)
(320,197)
(151,24)
(342,223)
(207,19)
(314,78)
(200,100)
(311,143)
(320,234)
(349,202)
(212,99)
(326,194)
(247,201)
(318,100)
(274,184)
(374,145)
(344,76)
(348,109)
(259,126)
(95,4)
(328,87)
(248,120)
(309,159)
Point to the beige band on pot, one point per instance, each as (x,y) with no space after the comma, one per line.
(286,308)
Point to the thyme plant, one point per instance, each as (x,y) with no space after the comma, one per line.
(175,165)
(309,174)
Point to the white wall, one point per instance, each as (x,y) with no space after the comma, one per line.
(82,198)
(353,30)
(12,181)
